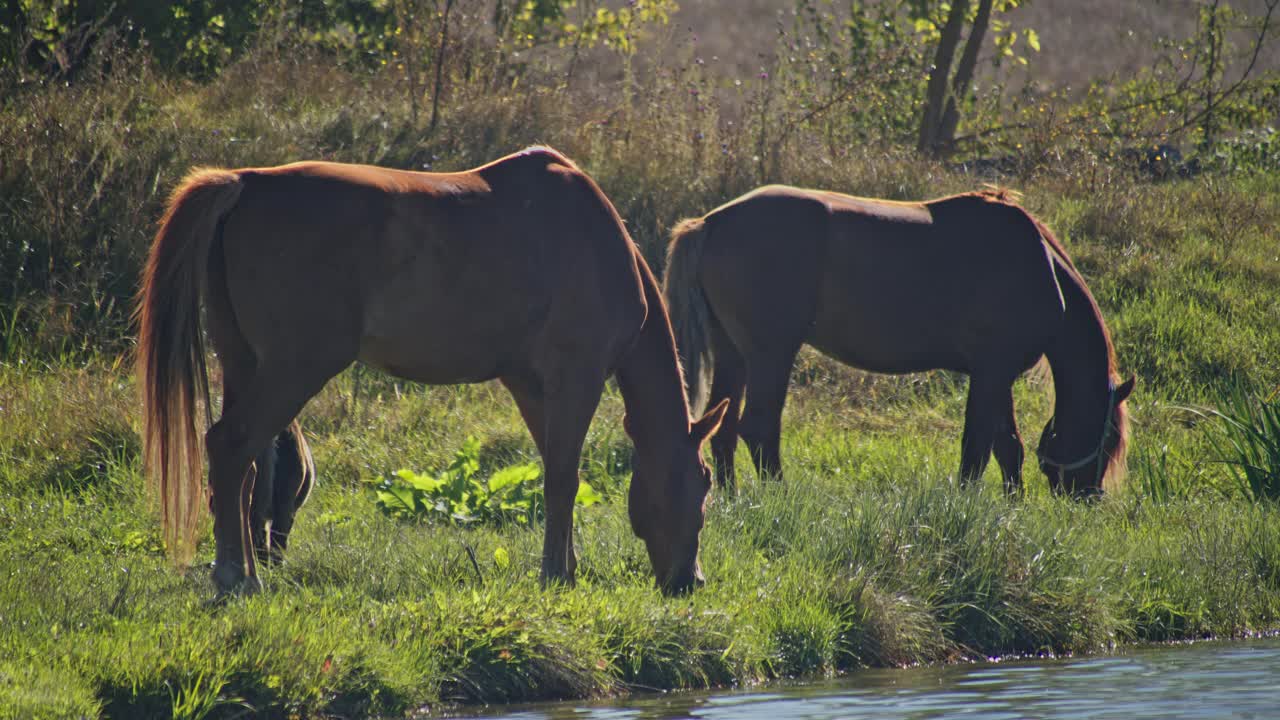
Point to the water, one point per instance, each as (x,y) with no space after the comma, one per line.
(1203,681)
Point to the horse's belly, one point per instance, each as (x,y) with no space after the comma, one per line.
(445,345)
(441,364)
(878,360)
(442,321)
(884,345)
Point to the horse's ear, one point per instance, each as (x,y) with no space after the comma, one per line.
(1125,389)
(709,423)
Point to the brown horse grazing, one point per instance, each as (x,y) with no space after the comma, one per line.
(519,270)
(970,283)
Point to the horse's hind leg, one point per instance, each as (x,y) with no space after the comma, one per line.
(231,479)
(262,506)
(761,425)
(289,475)
(295,476)
(729,380)
(1008,446)
(248,426)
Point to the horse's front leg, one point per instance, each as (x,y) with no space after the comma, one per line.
(981,415)
(1008,446)
(262,508)
(570,401)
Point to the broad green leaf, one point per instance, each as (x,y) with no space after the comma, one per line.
(514,475)
(423,482)
(587,495)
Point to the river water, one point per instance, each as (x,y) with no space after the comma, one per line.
(1205,680)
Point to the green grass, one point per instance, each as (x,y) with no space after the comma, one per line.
(867,556)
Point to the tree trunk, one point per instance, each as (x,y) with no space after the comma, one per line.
(1210,75)
(936,93)
(945,139)
(440,58)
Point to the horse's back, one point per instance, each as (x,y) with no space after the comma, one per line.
(987,238)
(405,264)
(884,285)
(975,281)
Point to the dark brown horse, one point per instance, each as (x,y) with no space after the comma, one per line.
(519,270)
(970,283)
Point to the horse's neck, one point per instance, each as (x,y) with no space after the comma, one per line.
(649,379)
(1080,356)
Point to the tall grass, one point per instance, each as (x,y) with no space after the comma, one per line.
(1245,433)
(808,578)
(868,555)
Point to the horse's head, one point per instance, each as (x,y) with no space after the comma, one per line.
(667,503)
(1077,453)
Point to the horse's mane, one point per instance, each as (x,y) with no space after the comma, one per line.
(1000,194)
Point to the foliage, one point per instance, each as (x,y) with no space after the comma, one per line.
(581,23)
(1160,476)
(201,37)
(459,496)
(198,37)
(867,60)
(1204,90)
(1245,433)
(1251,150)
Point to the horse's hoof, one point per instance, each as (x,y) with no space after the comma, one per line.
(232,580)
(249,586)
(226,576)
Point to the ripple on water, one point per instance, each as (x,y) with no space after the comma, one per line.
(1206,681)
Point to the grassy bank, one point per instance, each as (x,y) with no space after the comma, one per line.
(868,556)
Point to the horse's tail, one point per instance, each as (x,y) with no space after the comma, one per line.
(171,357)
(304,462)
(691,318)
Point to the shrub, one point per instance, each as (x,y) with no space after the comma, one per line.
(459,496)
